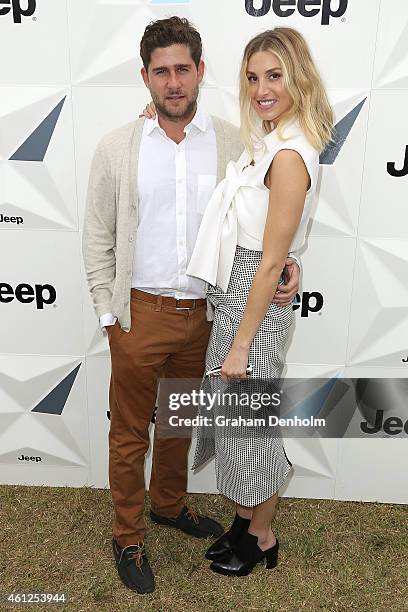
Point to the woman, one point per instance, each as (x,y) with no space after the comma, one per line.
(255,217)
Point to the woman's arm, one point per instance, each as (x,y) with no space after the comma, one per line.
(289,181)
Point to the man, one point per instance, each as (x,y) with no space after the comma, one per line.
(149,184)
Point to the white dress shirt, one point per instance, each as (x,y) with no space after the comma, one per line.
(175,183)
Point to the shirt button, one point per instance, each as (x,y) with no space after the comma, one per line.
(130,238)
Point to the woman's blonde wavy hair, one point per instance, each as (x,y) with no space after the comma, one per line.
(303,84)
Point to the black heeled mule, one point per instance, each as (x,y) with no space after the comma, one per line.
(227,541)
(244,556)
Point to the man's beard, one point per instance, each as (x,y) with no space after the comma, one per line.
(176,114)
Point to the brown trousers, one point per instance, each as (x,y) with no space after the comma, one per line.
(164,342)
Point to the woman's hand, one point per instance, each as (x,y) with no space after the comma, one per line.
(149,111)
(235,364)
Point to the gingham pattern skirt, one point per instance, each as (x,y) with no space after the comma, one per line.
(250,462)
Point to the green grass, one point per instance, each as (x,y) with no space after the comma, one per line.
(334,556)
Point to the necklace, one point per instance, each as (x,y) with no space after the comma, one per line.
(252,163)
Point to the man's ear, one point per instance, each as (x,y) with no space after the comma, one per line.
(145,77)
(201,70)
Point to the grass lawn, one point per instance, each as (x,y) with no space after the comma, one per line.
(339,556)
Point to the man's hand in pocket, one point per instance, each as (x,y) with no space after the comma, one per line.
(285,293)
(109,329)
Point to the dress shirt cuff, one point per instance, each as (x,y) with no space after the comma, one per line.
(107,319)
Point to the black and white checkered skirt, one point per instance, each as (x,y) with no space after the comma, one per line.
(250,462)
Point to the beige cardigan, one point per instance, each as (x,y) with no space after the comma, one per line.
(111,215)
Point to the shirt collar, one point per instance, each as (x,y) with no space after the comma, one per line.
(201,121)
(151,125)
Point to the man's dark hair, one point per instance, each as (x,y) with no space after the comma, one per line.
(167,32)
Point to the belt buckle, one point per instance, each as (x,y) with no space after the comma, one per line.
(185,307)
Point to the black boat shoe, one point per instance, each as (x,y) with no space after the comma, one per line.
(133,567)
(190,522)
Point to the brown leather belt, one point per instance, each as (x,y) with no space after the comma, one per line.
(167,301)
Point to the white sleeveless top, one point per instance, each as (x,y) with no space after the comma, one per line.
(236,213)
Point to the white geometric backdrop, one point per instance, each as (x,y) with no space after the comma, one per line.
(70,73)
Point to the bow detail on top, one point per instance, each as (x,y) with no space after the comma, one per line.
(214,251)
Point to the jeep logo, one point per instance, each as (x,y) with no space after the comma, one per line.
(5,219)
(304,7)
(311,301)
(24,293)
(392,426)
(394,171)
(25,458)
(18,11)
